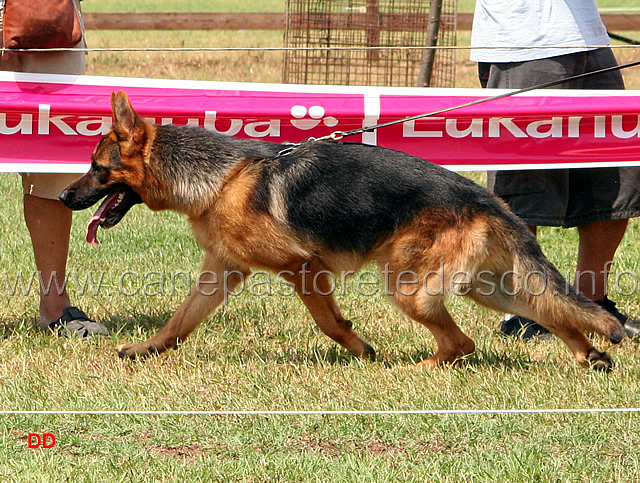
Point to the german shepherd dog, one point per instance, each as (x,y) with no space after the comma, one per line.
(327,207)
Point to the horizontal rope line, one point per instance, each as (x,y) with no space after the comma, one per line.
(417,412)
(619,9)
(303,49)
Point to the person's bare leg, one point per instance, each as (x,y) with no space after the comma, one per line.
(598,244)
(49,224)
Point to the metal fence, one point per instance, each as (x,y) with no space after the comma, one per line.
(369,42)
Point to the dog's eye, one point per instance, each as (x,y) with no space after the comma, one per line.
(100,173)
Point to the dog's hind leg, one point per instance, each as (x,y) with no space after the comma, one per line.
(565,315)
(215,282)
(583,350)
(316,292)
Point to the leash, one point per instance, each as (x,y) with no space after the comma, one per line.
(623,39)
(338,135)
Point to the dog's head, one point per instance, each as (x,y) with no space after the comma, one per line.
(117,170)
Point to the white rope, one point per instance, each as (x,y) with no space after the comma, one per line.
(303,49)
(417,412)
(619,9)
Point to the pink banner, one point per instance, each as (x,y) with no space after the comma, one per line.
(51,123)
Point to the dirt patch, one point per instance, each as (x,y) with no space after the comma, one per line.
(185,453)
(334,448)
(395,449)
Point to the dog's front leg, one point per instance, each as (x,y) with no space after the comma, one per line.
(313,286)
(214,284)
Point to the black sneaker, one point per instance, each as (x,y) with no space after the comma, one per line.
(523,328)
(631,327)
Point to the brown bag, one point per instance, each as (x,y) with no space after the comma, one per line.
(38,24)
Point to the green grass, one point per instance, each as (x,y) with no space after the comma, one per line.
(265,353)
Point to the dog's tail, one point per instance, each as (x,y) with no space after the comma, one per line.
(534,288)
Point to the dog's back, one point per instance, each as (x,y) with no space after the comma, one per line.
(351,195)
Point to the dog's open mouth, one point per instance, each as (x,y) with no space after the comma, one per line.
(111,211)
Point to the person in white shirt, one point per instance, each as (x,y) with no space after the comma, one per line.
(530,43)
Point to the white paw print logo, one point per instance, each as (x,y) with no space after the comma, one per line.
(316,115)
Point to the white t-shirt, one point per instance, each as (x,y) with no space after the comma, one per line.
(523,23)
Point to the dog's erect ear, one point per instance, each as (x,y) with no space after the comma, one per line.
(124,117)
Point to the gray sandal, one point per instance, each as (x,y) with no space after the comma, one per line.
(75,322)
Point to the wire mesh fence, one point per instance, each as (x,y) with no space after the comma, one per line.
(351,42)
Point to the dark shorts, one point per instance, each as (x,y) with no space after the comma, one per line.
(569,197)
(565,197)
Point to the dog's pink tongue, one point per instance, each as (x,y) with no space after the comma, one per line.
(95,221)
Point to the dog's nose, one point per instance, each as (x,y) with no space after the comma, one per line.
(64,195)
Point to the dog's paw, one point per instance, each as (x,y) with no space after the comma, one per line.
(135,351)
(369,353)
(599,361)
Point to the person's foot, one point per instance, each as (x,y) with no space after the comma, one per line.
(523,328)
(76,323)
(631,327)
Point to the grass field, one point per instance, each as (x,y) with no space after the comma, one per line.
(265,353)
